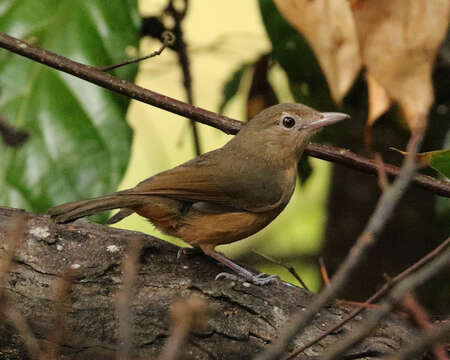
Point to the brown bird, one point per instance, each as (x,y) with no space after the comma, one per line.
(224,195)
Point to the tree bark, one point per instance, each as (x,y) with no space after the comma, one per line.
(242,318)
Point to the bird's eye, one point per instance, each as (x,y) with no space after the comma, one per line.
(288,121)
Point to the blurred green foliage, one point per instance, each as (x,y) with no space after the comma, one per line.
(440,161)
(79,142)
(231,86)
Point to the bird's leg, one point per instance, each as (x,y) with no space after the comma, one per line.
(260,279)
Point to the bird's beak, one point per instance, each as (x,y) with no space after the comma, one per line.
(327,118)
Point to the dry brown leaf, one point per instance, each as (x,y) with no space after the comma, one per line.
(379,101)
(399,40)
(330,29)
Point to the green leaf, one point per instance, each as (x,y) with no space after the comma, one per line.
(295,55)
(438,160)
(231,87)
(79,143)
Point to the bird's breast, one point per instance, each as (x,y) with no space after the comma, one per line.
(202,229)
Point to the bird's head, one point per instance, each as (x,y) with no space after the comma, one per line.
(283,131)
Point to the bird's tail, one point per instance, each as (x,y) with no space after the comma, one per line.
(78,209)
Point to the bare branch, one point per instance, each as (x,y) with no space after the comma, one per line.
(168,39)
(360,163)
(184,61)
(123,305)
(422,319)
(289,268)
(117,85)
(426,341)
(15,234)
(14,237)
(187,314)
(395,296)
(227,125)
(24,330)
(63,287)
(324,272)
(382,176)
(374,297)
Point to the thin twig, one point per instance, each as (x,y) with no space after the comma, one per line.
(421,318)
(184,61)
(123,304)
(63,287)
(187,314)
(427,340)
(21,325)
(358,253)
(168,39)
(374,297)
(14,237)
(120,86)
(289,268)
(386,306)
(360,304)
(324,272)
(382,176)
(226,124)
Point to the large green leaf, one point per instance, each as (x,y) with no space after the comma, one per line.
(79,142)
(295,55)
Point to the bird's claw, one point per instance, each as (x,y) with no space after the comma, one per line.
(263,279)
(260,279)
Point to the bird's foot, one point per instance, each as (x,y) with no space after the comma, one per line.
(260,279)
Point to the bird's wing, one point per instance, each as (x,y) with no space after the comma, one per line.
(208,181)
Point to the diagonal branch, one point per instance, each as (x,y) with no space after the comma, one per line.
(421,319)
(358,253)
(427,340)
(117,85)
(382,291)
(386,306)
(226,124)
(369,166)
